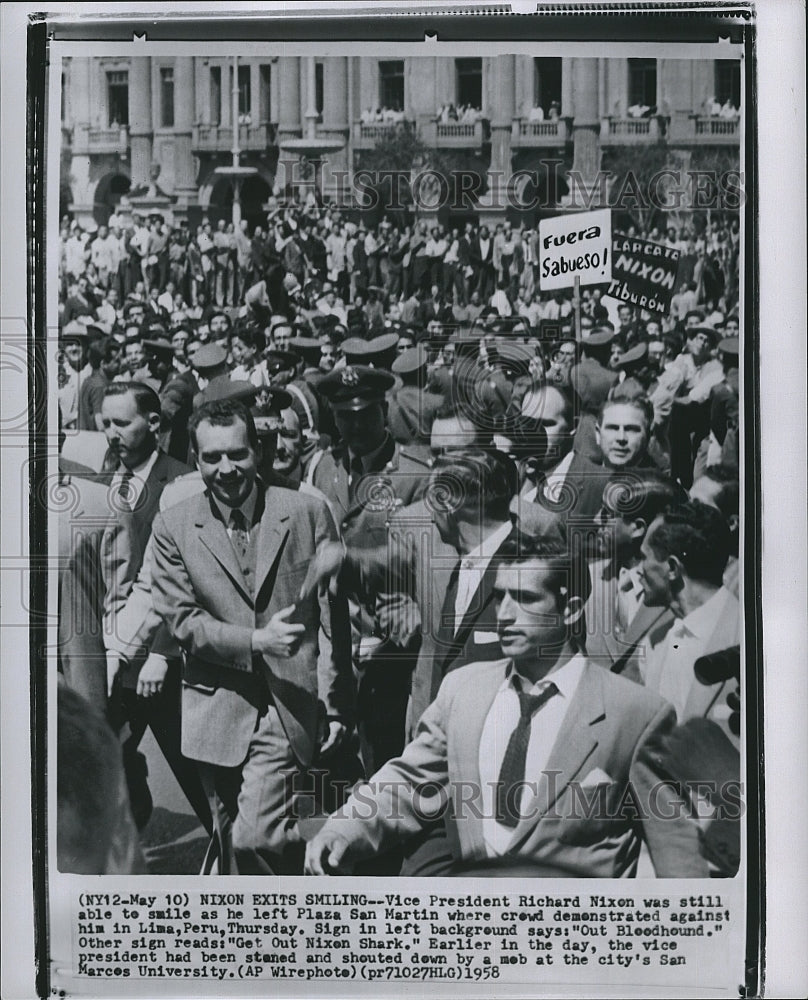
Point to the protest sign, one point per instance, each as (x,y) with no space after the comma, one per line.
(575,246)
(644,274)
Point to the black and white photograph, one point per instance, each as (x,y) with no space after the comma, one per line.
(399,470)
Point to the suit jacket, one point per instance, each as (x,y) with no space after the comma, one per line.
(600,746)
(201,593)
(621,653)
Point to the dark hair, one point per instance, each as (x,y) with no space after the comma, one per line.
(90,787)
(727,499)
(102,350)
(250,333)
(698,536)
(566,561)
(474,481)
(222,413)
(642,494)
(146,399)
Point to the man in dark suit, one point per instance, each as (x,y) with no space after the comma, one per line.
(141,693)
(481,255)
(511,748)
(266,683)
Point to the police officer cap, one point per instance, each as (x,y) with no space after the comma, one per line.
(386,342)
(376,353)
(273,400)
(162,346)
(412,360)
(633,356)
(208,356)
(226,388)
(307,347)
(279,361)
(600,337)
(75,331)
(729,345)
(355,387)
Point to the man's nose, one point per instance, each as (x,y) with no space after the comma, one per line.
(506,609)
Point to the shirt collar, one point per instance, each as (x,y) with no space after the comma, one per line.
(247,508)
(701,620)
(143,470)
(489,545)
(566,678)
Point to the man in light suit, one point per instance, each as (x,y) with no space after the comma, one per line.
(620,626)
(511,750)
(266,674)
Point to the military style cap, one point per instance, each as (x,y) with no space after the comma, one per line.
(600,337)
(355,387)
(226,388)
(729,345)
(411,360)
(75,331)
(376,353)
(162,346)
(278,361)
(278,321)
(307,348)
(633,356)
(208,356)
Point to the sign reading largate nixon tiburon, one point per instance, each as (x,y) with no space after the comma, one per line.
(575,246)
(644,274)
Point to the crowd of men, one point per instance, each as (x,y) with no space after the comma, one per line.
(369,527)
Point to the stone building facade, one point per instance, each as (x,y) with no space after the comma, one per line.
(120,116)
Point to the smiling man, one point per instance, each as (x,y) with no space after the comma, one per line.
(510,749)
(267,682)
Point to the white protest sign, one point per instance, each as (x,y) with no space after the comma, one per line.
(575,246)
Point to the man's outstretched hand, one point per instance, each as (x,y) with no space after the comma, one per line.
(325,854)
(325,565)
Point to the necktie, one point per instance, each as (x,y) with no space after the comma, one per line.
(512,772)
(240,533)
(356,471)
(124,495)
(446,625)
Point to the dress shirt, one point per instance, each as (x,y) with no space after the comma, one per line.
(501,721)
(247,509)
(553,483)
(668,669)
(629,596)
(140,473)
(472,567)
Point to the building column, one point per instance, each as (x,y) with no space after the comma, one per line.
(184,96)
(492,206)
(585,129)
(79,115)
(288,113)
(336,125)
(140,119)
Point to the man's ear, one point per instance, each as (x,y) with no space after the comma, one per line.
(154,422)
(675,568)
(573,610)
(638,528)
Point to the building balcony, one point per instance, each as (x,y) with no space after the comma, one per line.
(365,135)
(527,134)
(628,131)
(109,140)
(705,130)
(459,135)
(219,138)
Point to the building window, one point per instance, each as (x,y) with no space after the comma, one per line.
(642,83)
(469,86)
(167,96)
(244,92)
(216,95)
(391,85)
(265,97)
(319,87)
(546,84)
(728,82)
(118,98)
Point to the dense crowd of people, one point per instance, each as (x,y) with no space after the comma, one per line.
(365,504)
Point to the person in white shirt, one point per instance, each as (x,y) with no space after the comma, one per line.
(684,556)
(498,730)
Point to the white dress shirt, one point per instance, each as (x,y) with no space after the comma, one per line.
(502,719)
(472,567)
(668,669)
(553,483)
(140,473)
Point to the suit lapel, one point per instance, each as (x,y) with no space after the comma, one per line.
(480,600)
(575,743)
(213,535)
(272,536)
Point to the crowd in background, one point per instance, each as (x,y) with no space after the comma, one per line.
(401,352)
